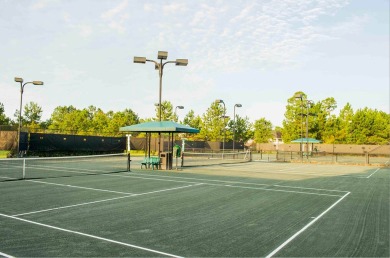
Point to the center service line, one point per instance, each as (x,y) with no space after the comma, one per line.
(305,227)
(104,200)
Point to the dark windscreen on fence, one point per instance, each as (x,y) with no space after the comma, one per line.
(65,142)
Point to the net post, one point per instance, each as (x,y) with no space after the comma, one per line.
(128,162)
(24,169)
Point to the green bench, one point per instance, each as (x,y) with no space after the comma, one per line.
(153,161)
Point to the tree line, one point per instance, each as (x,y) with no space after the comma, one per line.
(302,118)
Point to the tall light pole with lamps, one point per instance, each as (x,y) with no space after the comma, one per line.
(22,85)
(300,96)
(308,104)
(162,55)
(234,123)
(219,101)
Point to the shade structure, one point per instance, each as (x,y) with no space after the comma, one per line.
(306,140)
(157,127)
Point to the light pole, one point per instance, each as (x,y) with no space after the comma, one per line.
(308,103)
(162,55)
(300,96)
(178,107)
(219,101)
(20,80)
(234,123)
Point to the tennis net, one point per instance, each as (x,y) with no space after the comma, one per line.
(204,159)
(25,168)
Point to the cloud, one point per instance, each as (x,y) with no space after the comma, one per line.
(115,11)
(116,17)
(350,26)
(85,30)
(174,8)
(257,34)
(41,4)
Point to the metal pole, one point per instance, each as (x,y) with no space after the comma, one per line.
(224,130)
(20,117)
(161,75)
(159,104)
(234,126)
(301,143)
(307,130)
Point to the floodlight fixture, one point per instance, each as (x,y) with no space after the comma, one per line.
(18,79)
(181,62)
(37,82)
(162,55)
(139,60)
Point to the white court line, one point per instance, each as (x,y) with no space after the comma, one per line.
(70,206)
(199,179)
(362,176)
(373,172)
(274,190)
(156,179)
(243,187)
(311,188)
(6,255)
(80,187)
(89,235)
(305,227)
(105,200)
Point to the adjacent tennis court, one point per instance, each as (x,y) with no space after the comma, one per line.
(251,209)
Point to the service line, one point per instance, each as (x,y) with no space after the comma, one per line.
(89,235)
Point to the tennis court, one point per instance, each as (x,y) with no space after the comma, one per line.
(251,209)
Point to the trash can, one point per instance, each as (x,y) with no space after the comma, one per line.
(166,160)
(176,155)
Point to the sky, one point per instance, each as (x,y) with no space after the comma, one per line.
(257,53)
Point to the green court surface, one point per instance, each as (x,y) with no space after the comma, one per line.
(255,209)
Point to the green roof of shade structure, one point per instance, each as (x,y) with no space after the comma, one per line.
(156,126)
